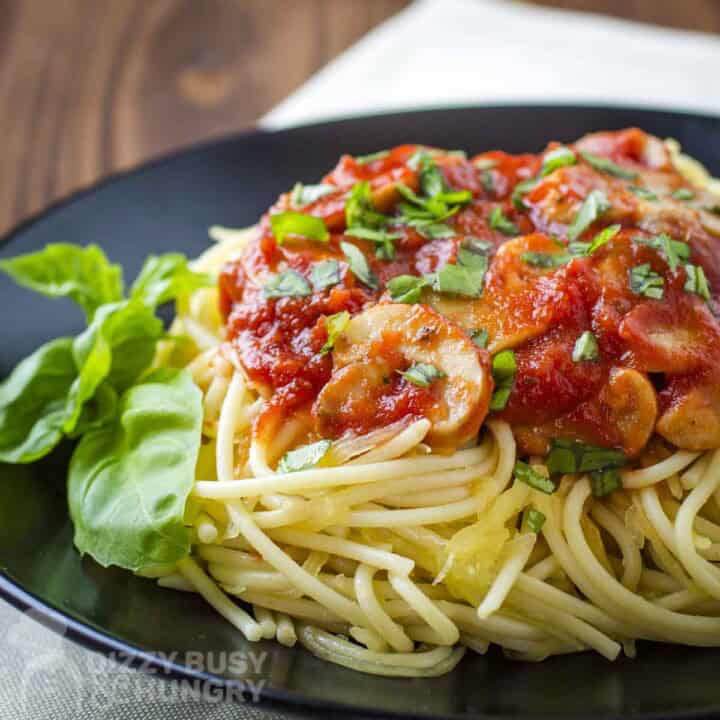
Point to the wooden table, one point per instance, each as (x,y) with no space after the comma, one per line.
(92,86)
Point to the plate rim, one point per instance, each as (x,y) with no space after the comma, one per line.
(99,640)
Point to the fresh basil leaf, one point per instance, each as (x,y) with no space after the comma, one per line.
(325,274)
(672,250)
(295,223)
(359,265)
(643,193)
(602,238)
(586,348)
(534,479)
(608,166)
(305,457)
(594,205)
(643,281)
(557,158)
(335,326)
(289,283)
(166,277)
(479,337)
(303,195)
(456,279)
(522,189)
(534,520)
(604,482)
(683,194)
(117,347)
(365,159)
(129,480)
(696,281)
(407,288)
(384,241)
(498,221)
(360,209)
(34,402)
(545,260)
(82,274)
(504,367)
(422,374)
(436,231)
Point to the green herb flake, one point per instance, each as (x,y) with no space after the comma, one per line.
(295,223)
(557,158)
(696,281)
(672,250)
(683,194)
(479,337)
(498,221)
(302,195)
(545,260)
(602,238)
(594,205)
(365,159)
(384,241)
(604,482)
(360,209)
(287,284)
(335,326)
(643,193)
(422,374)
(586,348)
(522,189)
(504,367)
(359,265)
(436,231)
(534,479)
(534,520)
(643,281)
(569,456)
(407,288)
(487,181)
(607,166)
(305,457)
(325,274)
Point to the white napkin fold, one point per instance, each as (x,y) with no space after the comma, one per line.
(454,52)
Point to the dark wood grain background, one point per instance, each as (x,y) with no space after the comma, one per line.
(92,86)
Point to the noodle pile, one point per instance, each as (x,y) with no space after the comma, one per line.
(393,560)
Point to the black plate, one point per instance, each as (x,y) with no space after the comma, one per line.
(168,206)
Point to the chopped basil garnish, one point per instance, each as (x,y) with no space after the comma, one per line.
(608,166)
(603,237)
(295,223)
(467,276)
(360,210)
(436,231)
(643,281)
(545,260)
(432,181)
(569,456)
(560,157)
(335,325)
(594,205)
(683,194)
(603,482)
(672,250)
(534,520)
(696,281)
(484,163)
(407,288)
(359,265)
(522,189)
(379,155)
(287,284)
(479,337)
(486,178)
(305,457)
(586,348)
(534,479)
(498,221)
(325,274)
(384,245)
(643,193)
(302,195)
(422,374)
(504,367)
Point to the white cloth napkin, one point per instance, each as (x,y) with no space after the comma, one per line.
(454,52)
